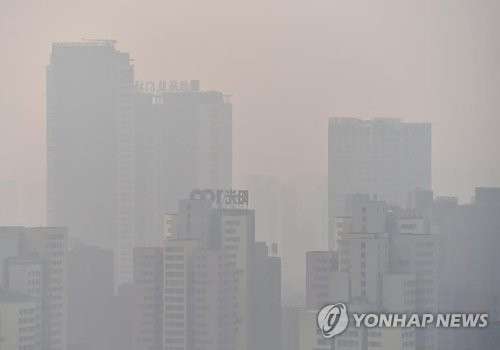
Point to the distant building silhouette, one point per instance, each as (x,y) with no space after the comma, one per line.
(90,147)
(384,157)
(183,142)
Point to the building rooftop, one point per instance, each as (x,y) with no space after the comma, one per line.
(86,43)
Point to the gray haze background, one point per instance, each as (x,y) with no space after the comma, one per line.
(290,66)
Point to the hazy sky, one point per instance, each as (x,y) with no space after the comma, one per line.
(290,66)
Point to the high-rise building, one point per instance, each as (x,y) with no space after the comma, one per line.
(320,265)
(24,253)
(222,290)
(25,276)
(266,316)
(50,246)
(472,263)
(416,253)
(178,317)
(214,325)
(382,290)
(390,259)
(386,158)
(90,146)
(210,274)
(366,258)
(237,228)
(197,220)
(149,280)
(183,142)
(124,317)
(290,325)
(90,293)
(17,321)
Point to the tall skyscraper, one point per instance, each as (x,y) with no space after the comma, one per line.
(387,158)
(214,272)
(90,146)
(183,142)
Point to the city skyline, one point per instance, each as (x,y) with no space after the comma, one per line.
(266,175)
(456,97)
